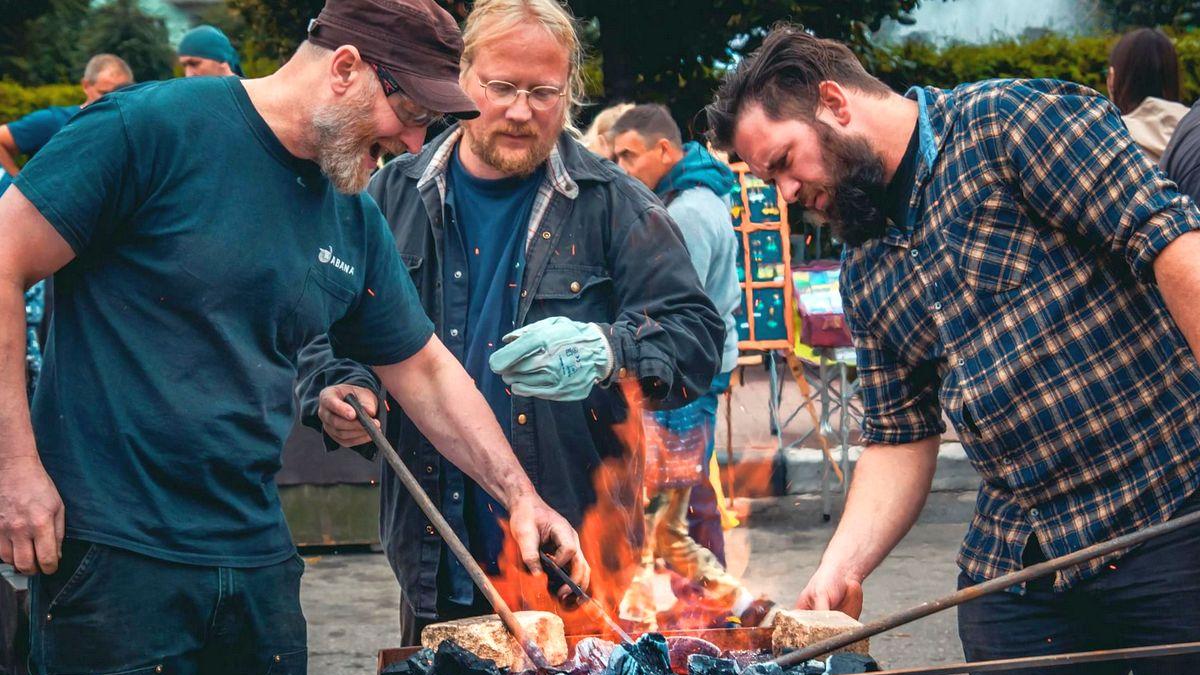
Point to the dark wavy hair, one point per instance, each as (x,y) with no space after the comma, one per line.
(1144,64)
(782,76)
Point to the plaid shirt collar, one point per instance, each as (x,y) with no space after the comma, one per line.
(932,135)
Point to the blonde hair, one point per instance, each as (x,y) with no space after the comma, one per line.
(492,17)
(602,124)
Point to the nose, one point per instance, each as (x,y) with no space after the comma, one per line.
(789,188)
(413,138)
(519,110)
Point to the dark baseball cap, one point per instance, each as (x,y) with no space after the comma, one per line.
(417,41)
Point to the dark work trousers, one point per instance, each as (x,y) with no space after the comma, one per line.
(411,625)
(108,611)
(1150,596)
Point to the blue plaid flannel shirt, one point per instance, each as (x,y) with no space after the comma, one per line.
(1019,299)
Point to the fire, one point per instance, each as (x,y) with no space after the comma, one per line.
(612,536)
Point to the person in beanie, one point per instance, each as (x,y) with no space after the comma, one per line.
(205,50)
(140,492)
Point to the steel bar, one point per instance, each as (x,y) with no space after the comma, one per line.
(482,582)
(615,627)
(1052,660)
(986,588)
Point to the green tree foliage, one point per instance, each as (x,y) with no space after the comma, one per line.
(39,40)
(274,28)
(1123,14)
(17,101)
(1081,59)
(1078,59)
(121,27)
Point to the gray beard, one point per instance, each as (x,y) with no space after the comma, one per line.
(344,133)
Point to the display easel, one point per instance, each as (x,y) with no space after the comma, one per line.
(765,320)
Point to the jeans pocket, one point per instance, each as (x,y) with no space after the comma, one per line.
(289,663)
(79,561)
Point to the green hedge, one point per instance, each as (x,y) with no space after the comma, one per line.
(1082,59)
(17,101)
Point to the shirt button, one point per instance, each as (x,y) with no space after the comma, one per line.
(453,332)
(457,274)
(428,468)
(524,293)
(428,529)
(937,306)
(1033,513)
(575,287)
(545,234)
(914,253)
(522,419)
(455,496)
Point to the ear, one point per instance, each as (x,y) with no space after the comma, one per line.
(664,148)
(343,69)
(834,101)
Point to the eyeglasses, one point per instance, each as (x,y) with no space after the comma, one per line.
(500,92)
(407,111)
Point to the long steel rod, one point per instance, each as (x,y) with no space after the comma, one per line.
(615,627)
(1052,660)
(447,533)
(986,588)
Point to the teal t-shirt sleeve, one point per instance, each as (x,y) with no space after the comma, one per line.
(34,130)
(83,181)
(387,324)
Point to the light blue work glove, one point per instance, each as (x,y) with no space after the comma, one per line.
(556,359)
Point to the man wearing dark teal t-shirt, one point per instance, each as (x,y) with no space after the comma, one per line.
(200,232)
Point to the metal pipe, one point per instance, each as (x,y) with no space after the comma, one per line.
(1052,660)
(482,582)
(985,588)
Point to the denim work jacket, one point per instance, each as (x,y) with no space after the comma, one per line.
(600,248)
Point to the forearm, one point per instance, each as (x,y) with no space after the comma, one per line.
(886,496)
(8,161)
(14,407)
(441,399)
(1178,276)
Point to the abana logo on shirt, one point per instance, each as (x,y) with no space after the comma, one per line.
(326,256)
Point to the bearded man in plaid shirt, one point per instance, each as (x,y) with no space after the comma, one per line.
(1014,262)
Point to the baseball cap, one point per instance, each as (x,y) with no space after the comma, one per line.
(416,41)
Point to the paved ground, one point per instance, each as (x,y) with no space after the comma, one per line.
(350,598)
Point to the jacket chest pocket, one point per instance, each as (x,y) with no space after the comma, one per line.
(579,292)
(322,302)
(995,245)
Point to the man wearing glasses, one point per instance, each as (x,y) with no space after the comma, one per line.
(201,231)
(552,276)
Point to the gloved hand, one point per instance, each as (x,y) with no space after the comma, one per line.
(555,358)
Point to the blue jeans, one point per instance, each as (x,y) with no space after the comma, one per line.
(108,611)
(1150,596)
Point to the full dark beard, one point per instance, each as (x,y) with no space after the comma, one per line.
(484,146)
(856,213)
